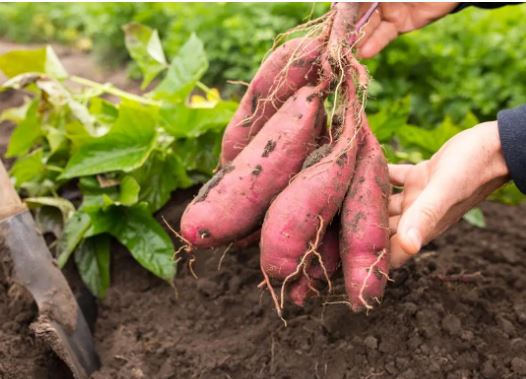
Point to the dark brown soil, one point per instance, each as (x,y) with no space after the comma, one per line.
(457,311)
(433,323)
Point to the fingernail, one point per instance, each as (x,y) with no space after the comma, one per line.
(413,237)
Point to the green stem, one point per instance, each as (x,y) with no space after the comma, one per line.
(202,87)
(112,90)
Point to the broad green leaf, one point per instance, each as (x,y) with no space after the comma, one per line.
(42,60)
(125,148)
(145,48)
(125,192)
(66,208)
(104,112)
(389,120)
(181,121)
(428,141)
(129,191)
(56,138)
(135,228)
(74,231)
(200,154)
(28,168)
(475,217)
(158,177)
(186,68)
(93,264)
(26,133)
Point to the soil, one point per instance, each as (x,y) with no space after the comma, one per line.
(456,311)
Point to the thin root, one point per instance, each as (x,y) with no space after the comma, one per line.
(302,263)
(223,256)
(370,271)
(273,296)
(187,244)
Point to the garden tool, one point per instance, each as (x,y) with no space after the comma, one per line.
(61,323)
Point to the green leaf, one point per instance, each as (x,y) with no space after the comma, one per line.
(104,112)
(145,48)
(42,60)
(129,191)
(28,168)
(15,114)
(135,228)
(475,217)
(389,120)
(124,192)
(428,141)
(200,154)
(186,68)
(26,133)
(158,177)
(66,208)
(74,231)
(508,194)
(182,121)
(93,263)
(125,148)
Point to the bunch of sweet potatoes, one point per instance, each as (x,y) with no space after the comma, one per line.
(311,182)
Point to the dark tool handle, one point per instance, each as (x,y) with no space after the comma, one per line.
(10,203)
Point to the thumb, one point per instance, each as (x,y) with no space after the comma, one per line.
(419,221)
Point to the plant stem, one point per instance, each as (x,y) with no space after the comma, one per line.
(202,87)
(112,90)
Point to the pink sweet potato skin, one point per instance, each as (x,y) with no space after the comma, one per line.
(257,105)
(293,218)
(233,202)
(330,255)
(364,238)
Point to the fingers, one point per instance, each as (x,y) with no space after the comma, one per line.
(419,222)
(398,254)
(395,204)
(380,37)
(398,173)
(370,26)
(393,224)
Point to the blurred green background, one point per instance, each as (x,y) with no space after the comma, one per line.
(428,85)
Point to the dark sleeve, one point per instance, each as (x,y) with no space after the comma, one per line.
(512,132)
(461,6)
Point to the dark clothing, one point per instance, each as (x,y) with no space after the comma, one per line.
(512,132)
(512,125)
(461,6)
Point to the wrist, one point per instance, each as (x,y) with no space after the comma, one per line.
(497,166)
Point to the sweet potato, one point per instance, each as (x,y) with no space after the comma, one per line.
(288,68)
(305,207)
(328,251)
(233,202)
(364,236)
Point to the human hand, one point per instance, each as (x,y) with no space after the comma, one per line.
(438,192)
(392,19)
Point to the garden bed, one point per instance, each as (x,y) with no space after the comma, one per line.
(432,323)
